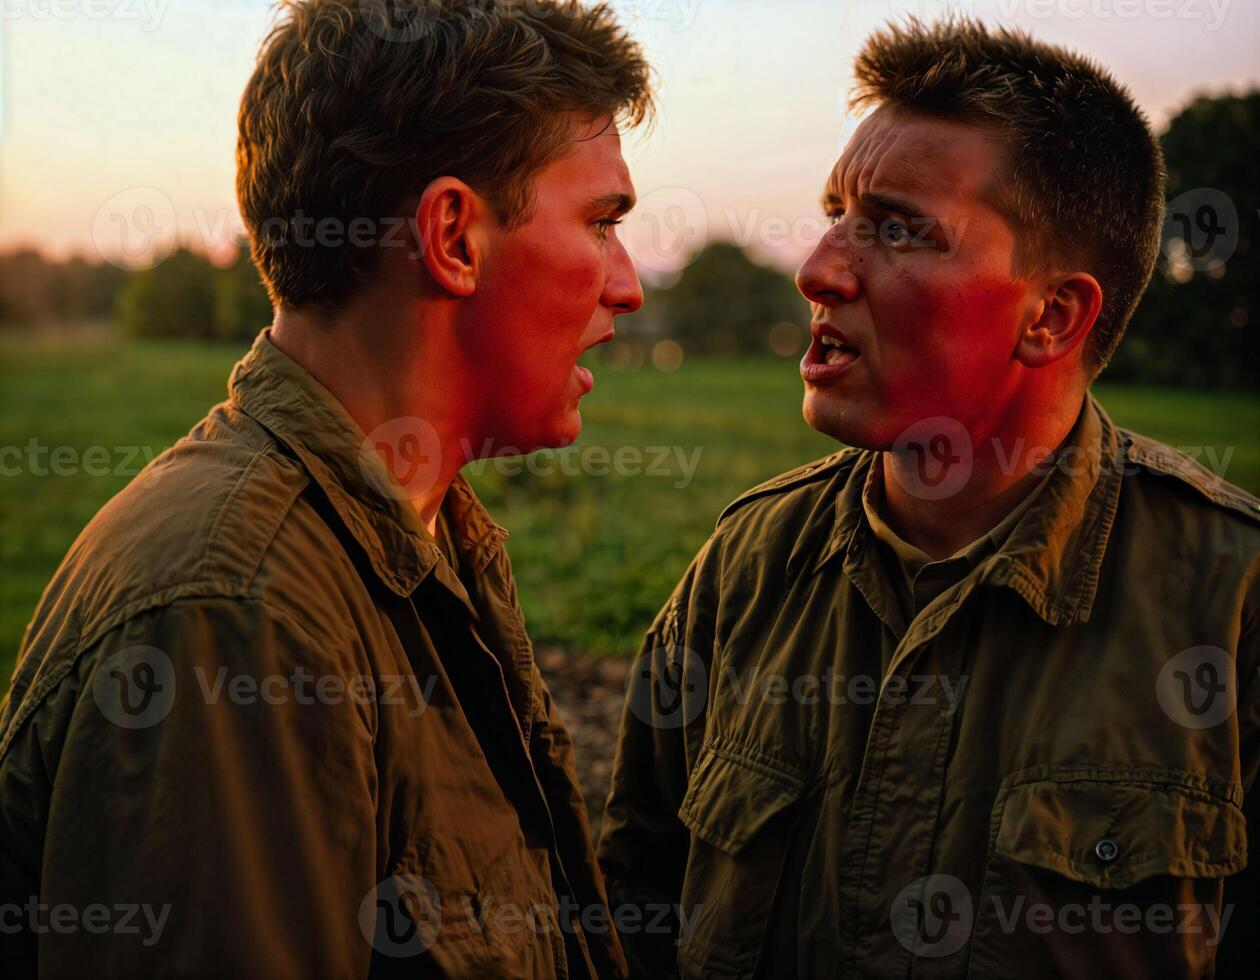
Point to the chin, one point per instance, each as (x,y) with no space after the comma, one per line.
(561,431)
(831,417)
(848,423)
(573,429)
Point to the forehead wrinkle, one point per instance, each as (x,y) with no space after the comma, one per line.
(868,160)
(850,159)
(901,173)
(866,168)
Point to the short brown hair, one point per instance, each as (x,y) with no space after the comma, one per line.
(1084,181)
(356,105)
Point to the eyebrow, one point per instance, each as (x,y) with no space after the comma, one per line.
(882,202)
(620,203)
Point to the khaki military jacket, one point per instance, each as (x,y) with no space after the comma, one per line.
(260,727)
(1049,771)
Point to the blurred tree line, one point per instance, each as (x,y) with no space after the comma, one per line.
(723,304)
(35,292)
(189,296)
(1193,328)
(185,296)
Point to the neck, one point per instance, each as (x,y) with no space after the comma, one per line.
(387,371)
(977,489)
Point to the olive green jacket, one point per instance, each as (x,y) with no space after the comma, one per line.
(1063,743)
(257,704)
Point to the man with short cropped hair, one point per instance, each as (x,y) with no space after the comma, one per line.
(279,696)
(977,697)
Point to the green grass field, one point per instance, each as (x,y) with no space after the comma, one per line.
(594,555)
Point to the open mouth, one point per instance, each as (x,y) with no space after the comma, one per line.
(605,339)
(829,357)
(835,351)
(584,375)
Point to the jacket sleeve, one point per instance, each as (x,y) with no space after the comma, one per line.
(212,781)
(643,846)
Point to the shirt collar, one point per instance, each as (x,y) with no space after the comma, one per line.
(1052,555)
(912,558)
(304,416)
(477,535)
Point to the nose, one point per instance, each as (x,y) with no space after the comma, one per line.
(827,276)
(623,293)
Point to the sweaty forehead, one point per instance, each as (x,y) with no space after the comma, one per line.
(935,163)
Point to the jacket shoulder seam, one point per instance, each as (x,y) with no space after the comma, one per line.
(802,475)
(1166,461)
(279,515)
(211,583)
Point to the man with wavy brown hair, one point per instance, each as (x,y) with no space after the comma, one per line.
(279,697)
(978,696)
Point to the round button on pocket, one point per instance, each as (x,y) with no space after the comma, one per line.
(1106,849)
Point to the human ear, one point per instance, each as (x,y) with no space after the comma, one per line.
(1069,306)
(447,223)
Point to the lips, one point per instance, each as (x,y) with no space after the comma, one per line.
(585,378)
(602,340)
(829,357)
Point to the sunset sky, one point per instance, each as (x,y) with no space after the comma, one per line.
(118,116)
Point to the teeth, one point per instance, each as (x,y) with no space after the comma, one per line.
(829,341)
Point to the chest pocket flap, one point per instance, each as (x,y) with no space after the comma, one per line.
(1113,829)
(741,809)
(732,794)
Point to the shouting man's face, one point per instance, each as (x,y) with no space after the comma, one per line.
(550,292)
(917,306)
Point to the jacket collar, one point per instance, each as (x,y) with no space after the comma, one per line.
(304,416)
(1052,555)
